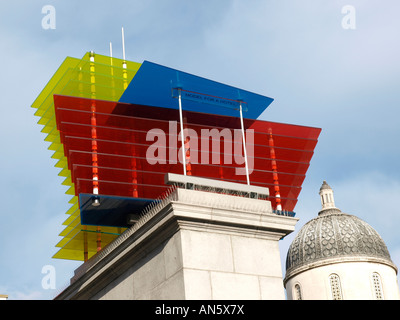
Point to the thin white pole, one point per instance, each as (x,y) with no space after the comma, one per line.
(182,135)
(112,73)
(124,71)
(244,144)
(123,44)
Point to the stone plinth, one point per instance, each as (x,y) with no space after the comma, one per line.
(192,245)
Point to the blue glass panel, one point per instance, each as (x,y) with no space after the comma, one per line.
(156,85)
(112,212)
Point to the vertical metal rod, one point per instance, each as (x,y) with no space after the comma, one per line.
(112,74)
(95,168)
(244,143)
(93,122)
(182,135)
(85,244)
(274,171)
(124,71)
(123,44)
(98,231)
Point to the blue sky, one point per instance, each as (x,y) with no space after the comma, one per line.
(345,81)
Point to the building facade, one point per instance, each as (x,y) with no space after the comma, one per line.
(337,256)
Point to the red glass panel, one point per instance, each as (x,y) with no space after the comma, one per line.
(118,137)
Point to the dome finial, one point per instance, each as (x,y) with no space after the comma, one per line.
(326,193)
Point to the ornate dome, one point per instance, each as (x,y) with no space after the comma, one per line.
(332,237)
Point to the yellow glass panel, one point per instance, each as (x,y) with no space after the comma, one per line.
(71,190)
(59,153)
(73,247)
(64,172)
(47,90)
(67,254)
(74,221)
(62,163)
(73,200)
(73,208)
(106,79)
(67,181)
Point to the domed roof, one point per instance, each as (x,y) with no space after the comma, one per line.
(324,186)
(334,236)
